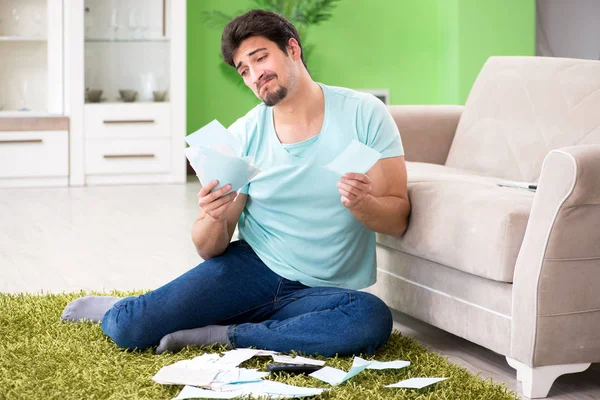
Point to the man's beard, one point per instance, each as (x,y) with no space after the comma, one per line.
(272,98)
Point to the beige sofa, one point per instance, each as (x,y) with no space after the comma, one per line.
(513,270)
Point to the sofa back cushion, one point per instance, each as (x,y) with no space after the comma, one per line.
(521,108)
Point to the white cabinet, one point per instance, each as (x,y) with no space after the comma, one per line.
(55,57)
(126,92)
(136,121)
(34,138)
(34,151)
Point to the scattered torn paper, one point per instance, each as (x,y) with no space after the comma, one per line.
(183,375)
(335,376)
(297,360)
(263,388)
(397,364)
(191,392)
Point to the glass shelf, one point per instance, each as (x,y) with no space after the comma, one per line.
(148,40)
(112,102)
(25,114)
(22,39)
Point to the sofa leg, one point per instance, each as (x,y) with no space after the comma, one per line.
(536,382)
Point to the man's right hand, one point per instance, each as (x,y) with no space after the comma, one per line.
(215,203)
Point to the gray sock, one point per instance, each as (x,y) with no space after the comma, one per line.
(90,307)
(206,336)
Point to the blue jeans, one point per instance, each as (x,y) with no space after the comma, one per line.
(260,308)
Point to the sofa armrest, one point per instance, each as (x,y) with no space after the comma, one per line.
(556,306)
(427,131)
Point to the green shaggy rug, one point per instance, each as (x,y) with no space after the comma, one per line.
(43,358)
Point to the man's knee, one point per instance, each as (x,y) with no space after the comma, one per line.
(128,333)
(375,320)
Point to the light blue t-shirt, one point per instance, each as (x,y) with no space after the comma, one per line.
(294,219)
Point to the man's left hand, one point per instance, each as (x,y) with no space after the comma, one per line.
(354,188)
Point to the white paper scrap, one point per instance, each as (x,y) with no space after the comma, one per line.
(237,375)
(358,365)
(210,165)
(335,376)
(397,364)
(297,360)
(180,375)
(415,383)
(357,157)
(204,361)
(271,388)
(191,392)
(265,353)
(233,358)
(216,137)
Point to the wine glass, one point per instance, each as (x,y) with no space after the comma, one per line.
(89,22)
(132,21)
(114,22)
(144,21)
(24,92)
(37,20)
(16,18)
(1,95)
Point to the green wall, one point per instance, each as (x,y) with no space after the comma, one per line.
(424,51)
(491,28)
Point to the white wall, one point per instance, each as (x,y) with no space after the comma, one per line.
(568,28)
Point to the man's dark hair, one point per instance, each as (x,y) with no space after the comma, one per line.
(268,24)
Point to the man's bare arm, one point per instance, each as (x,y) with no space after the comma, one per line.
(379,199)
(217,219)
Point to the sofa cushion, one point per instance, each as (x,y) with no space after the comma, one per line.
(473,226)
(521,108)
(426,172)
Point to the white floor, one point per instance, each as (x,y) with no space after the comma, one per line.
(138,237)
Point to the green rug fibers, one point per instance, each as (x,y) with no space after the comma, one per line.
(43,358)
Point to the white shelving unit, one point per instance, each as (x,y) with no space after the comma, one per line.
(126,45)
(31,45)
(34,140)
(51,51)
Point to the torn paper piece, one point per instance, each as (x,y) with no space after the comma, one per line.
(236,376)
(271,388)
(297,360)
(397,364)
(233,358)
(357,157)
(216,137)
(415,383)
(190,392)
(335,376)
(210,165)
(204,361)
(179,375)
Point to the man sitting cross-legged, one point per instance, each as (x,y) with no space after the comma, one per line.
(307,241)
